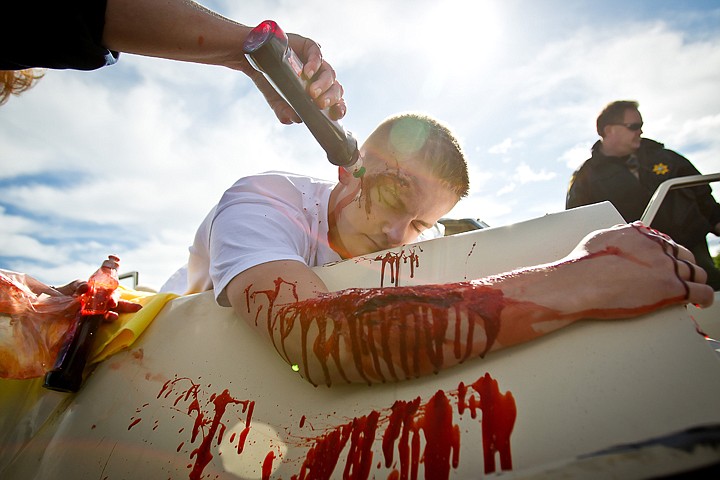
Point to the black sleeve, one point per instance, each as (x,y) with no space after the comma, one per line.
(703,194)
(53,34)
(577,191)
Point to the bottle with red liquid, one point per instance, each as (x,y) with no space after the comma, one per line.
(267,49)
(67,373)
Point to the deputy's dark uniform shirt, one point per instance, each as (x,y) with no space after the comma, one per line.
(687,214)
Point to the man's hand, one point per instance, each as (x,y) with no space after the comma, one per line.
(70,293)
(636,268)
(323,87)
(117,306)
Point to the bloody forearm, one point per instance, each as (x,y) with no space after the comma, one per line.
(378,335)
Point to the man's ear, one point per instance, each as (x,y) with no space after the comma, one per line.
(603,134)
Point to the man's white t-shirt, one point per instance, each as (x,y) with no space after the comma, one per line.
(261,218)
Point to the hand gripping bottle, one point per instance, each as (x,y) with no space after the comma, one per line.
(67,373)
(266,48)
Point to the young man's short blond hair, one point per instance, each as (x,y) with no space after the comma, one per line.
(421,137)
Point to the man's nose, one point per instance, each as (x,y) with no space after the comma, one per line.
(395,233)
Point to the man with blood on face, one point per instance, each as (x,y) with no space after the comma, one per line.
(626,169)
(257,246)
(406,189)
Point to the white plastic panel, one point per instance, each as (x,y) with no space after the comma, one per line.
(583,389)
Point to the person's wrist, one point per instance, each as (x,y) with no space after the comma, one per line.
(565,287)
(235,57)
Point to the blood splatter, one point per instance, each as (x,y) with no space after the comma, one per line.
(415,433)
(209,425)
(322,458)
(267,465)
(498,419)
(472,249)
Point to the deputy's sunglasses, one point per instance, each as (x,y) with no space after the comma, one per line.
(631,126)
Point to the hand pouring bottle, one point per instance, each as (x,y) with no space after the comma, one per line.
(67,373)
(267,49)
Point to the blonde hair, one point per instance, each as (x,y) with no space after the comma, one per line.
(17,81)
(416,135)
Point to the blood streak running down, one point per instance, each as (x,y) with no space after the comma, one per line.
(418,433)
(209,424)
(391,334)
(393,260)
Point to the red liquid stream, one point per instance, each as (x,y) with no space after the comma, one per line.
(333,238)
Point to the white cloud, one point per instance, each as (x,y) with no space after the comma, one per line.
(575,156)
(12,224)
(525,174)
(508,188)
(502,147)
(28,247)
(485,207)
(129,159)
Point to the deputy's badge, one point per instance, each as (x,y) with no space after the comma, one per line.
(660,169)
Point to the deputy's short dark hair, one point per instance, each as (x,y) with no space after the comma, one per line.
(614,112)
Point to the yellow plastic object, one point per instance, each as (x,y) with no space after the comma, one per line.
(116,336)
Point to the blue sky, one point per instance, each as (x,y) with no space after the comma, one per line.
(129,159)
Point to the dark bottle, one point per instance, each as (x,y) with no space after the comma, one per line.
(267,49)
(67,373)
